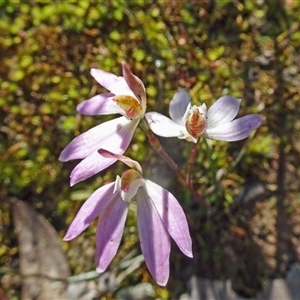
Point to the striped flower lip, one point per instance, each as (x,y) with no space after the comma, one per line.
(192,122)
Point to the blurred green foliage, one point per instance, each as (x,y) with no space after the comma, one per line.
(248,49)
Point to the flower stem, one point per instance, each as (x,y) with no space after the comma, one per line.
(193,153)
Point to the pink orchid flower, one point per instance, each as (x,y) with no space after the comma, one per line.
(192,122)
(159,217)
(127,97)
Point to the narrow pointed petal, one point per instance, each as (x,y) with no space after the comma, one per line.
(222,111)
(163,126)
(114,135)
(172,216)
(115,84)
(133,164)
(109,232)
(136,85)
(178,106)
(99,105)
(235,130)
(91,165)
(91,208)
(154,239)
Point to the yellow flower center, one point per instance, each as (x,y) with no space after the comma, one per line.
(130,105)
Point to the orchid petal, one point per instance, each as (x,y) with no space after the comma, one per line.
(91,165)
(92,207)
(172,216)
(163,126)
(136,85)
(222,111)
(235,130)
(99,105)
(109,232)
(115,84)
(95,163)
(154,239)
(115,135)
(133,164)
(179,105)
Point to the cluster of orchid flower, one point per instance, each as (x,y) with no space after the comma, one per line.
(159,214)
